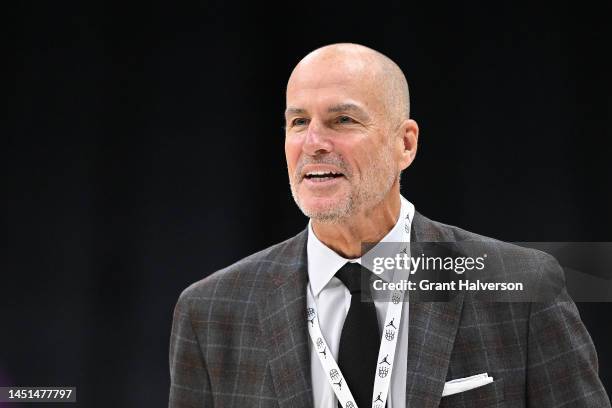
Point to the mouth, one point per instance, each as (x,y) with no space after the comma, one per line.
(322,176)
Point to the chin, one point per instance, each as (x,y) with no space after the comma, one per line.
(326,209)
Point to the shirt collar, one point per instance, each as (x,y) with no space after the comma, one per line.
(323,262)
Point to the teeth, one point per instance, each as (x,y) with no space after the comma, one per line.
(320,173)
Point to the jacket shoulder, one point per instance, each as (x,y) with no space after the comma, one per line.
(540,273)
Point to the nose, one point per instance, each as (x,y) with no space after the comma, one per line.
(317,141)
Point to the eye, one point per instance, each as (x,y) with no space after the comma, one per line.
(345,119)
(299,122)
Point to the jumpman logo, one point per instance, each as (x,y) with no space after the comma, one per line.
(384,360)
(391,324)
(378,398)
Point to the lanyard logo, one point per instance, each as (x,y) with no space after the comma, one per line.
(310,315)
(389,334)
(336,378)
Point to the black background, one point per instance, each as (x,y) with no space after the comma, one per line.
(144,150)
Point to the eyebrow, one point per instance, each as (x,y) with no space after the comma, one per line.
(294,111)
(346,107)
(341,107)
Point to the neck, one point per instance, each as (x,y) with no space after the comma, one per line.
(369,225)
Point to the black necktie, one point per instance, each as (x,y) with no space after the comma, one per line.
(360,341)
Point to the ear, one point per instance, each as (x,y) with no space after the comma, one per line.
(409,135)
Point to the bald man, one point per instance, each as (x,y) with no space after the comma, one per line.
(288,327)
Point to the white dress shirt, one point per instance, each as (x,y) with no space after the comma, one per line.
(332,300)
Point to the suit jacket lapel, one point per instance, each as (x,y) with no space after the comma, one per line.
(283,321)
(431,333)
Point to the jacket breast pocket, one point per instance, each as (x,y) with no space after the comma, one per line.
(490,395)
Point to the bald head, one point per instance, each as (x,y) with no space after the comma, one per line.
(383,77)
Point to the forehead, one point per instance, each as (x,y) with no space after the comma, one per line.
(329,82)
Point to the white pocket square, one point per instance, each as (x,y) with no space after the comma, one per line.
(465,384)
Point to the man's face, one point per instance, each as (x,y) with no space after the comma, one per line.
(341,154)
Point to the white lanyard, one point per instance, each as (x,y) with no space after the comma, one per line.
(386,353)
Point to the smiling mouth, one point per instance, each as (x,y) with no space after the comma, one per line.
(322,175)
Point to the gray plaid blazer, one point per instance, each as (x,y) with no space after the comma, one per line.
(239,339)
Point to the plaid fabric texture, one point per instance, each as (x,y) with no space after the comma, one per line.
(239,338)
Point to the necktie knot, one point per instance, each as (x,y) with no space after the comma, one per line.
(351,275)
